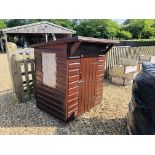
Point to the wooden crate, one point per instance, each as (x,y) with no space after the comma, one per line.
(128,62)
(117,52)
(146,58)
(121,81)
(127,72)
(139,67)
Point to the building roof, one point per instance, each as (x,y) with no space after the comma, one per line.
(77,39)
(39,27)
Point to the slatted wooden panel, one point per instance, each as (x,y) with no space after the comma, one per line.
(52,99)
(73,66)
(22,71)
(117,52)
(114,55)
(88,82)
(23,77)
(100,77)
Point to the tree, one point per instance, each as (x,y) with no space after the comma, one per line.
(140,28)
(62,22)
(124,35)
(2,24)
(128,21)
(99,28)
(17,22)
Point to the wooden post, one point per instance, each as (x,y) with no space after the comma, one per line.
(5,37)
(11,49)
(53,35)
(1,45)
(15,83)
(46,37)
(20,82)
(17,80)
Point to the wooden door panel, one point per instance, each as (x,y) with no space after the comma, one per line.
(87,84)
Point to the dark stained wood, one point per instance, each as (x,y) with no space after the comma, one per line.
(73,84)
(88,84)
(74,78)
(74,72)
(73,87)
(72,102)
(79,76)
(75,39)
(52,100)
(51,96)
(74,66)
(75,47)
(73,90)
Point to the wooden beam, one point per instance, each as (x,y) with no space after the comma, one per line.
(11,49)
(75,47)
(46,37)
(53,35)
(5,38)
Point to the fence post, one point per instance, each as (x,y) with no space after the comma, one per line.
(11,49)
(17,81)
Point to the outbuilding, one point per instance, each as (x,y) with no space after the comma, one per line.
(69,75)
(29,34)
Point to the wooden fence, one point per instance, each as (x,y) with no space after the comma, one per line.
(117,52)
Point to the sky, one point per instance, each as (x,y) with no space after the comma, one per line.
(120,21)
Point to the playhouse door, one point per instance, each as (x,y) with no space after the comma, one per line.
(87,83)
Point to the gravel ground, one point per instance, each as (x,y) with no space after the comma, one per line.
(107,118)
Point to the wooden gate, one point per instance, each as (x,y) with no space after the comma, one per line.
(23,78)
(21,64)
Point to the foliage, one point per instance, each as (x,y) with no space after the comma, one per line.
(140,28)
(62,22)
(124,34)
(99,28)
(2,24)
(17,22)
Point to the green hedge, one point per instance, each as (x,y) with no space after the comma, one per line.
(135,43)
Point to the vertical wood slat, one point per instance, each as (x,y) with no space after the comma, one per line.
(33,74)
(27,79)
(20,81)
(15,59)
(114,55)
(117,52)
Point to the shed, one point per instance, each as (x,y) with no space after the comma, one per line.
(34,33)
(69,75)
